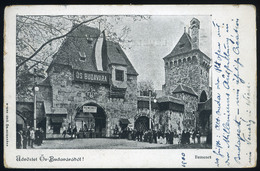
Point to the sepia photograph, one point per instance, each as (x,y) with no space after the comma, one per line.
(113,82)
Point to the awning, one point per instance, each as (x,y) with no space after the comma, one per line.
(57,119)
(124,121)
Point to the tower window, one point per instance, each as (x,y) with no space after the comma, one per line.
(171,64)
(119,75)
(201,71)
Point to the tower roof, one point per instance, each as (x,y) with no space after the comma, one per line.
(184,89)
(183,46)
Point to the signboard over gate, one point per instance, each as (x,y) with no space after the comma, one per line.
(90,109)
(91,77)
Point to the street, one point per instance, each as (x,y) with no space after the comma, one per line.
(107,143)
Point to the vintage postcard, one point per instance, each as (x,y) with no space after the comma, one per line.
(147,86)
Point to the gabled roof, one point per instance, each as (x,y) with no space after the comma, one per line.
(169,99)
(184,89)
(183,45)
(82,42)
(116,55)
(77,44)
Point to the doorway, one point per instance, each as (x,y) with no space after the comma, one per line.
(142,124)
(92,124)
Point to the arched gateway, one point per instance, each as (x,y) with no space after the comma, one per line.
(91,119)
(142,123)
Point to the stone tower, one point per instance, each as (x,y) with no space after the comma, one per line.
(186,65)
(195,26)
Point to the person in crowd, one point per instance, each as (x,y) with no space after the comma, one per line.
(28,136)
(160,136)
(116,130)
(171,137)
(193,135)
(37,136)
(41,136)
(75,132)
(145,136)
(19,139)
(175,137)
(64,132)
(69,132)
(150,136)
(183,137)
(32,136)
(209,137)
(188,136)
(167,137)
(141,135)
(155,136)
(134,135)
(25,139)
(198,136)
(138,135)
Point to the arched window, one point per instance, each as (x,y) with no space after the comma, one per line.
(194,59)
(179,62)
(166,64)
(171,64)
(203,96)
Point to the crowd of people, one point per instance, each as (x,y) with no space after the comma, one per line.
(29,137)
(72,132)
(161,137)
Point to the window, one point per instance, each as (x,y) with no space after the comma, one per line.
(82,56)
(181,45)
(56,128)
(119,75)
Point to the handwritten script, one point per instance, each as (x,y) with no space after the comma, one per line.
(230,117)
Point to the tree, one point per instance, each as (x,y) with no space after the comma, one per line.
(145,86)
(38,38)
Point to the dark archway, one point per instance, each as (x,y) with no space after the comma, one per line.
(20,121)
(91,121)
(142,123)
(203,96)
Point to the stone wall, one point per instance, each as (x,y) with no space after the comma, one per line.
(164,120)
(190,109)
(69,94)
(190,69)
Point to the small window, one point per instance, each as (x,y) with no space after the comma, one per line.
(82,56)
(182,45)
(171,64)
(119,75)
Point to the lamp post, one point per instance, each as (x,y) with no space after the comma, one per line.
(34,105)
(150,108)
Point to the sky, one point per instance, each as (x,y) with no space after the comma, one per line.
(153,39)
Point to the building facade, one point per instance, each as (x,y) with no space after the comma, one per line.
(91,84)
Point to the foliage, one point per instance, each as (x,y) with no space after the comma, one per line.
(145,86)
